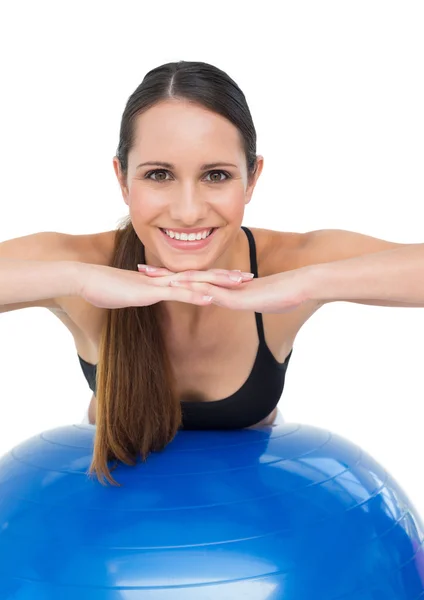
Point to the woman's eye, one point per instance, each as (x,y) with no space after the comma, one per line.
(154,172)
(147,176)
(227,176)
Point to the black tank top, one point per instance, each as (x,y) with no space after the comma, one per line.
(251,403)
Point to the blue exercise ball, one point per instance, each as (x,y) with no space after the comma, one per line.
(288,512)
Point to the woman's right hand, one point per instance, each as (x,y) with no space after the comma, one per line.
(111,287)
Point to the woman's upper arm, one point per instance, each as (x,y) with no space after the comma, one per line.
(41,246)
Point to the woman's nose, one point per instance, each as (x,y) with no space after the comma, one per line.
(188,209)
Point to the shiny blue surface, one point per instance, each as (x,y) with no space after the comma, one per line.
(287,512)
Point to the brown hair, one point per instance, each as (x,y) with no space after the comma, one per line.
(137,409)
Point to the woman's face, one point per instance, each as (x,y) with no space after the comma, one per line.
(185,194)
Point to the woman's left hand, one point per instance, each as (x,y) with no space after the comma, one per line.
(276,294)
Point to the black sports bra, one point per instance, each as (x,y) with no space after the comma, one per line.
(251,403)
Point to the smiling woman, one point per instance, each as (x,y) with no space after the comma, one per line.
(191,122)
(199,345)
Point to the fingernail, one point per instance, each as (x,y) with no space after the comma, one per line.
(237,278)
(248,275)
(142,267)
(207,298)
(151,269)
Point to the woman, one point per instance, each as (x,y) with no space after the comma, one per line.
(204,340)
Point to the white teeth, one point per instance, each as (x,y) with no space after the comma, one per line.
(188,236)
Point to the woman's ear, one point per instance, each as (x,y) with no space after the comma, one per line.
(255,177)
(121,179)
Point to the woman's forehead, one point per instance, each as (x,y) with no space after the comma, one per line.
(185,124)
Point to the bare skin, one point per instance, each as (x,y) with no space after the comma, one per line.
(204,184)
(213,352)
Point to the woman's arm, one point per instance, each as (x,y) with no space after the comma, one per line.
(392,277)
(30,283)
(38,268)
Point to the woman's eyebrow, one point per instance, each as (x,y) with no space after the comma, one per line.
(171,166)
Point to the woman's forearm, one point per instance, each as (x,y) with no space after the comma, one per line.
(26,280)
(392,276)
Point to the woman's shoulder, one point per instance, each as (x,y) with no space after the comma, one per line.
(97,248)
(278,251)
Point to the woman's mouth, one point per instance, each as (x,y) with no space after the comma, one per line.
(189,244)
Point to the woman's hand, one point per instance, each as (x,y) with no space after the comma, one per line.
(221,277)
(110,287)
(277,293)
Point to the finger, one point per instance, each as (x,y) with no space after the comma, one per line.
(218,281)
(180,294)
(247,276)
(225,279)
(222,284)
(152,271)
(162,272)
(236,299)
(206,289)
(192,275)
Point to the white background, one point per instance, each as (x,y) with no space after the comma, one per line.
(336,91)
